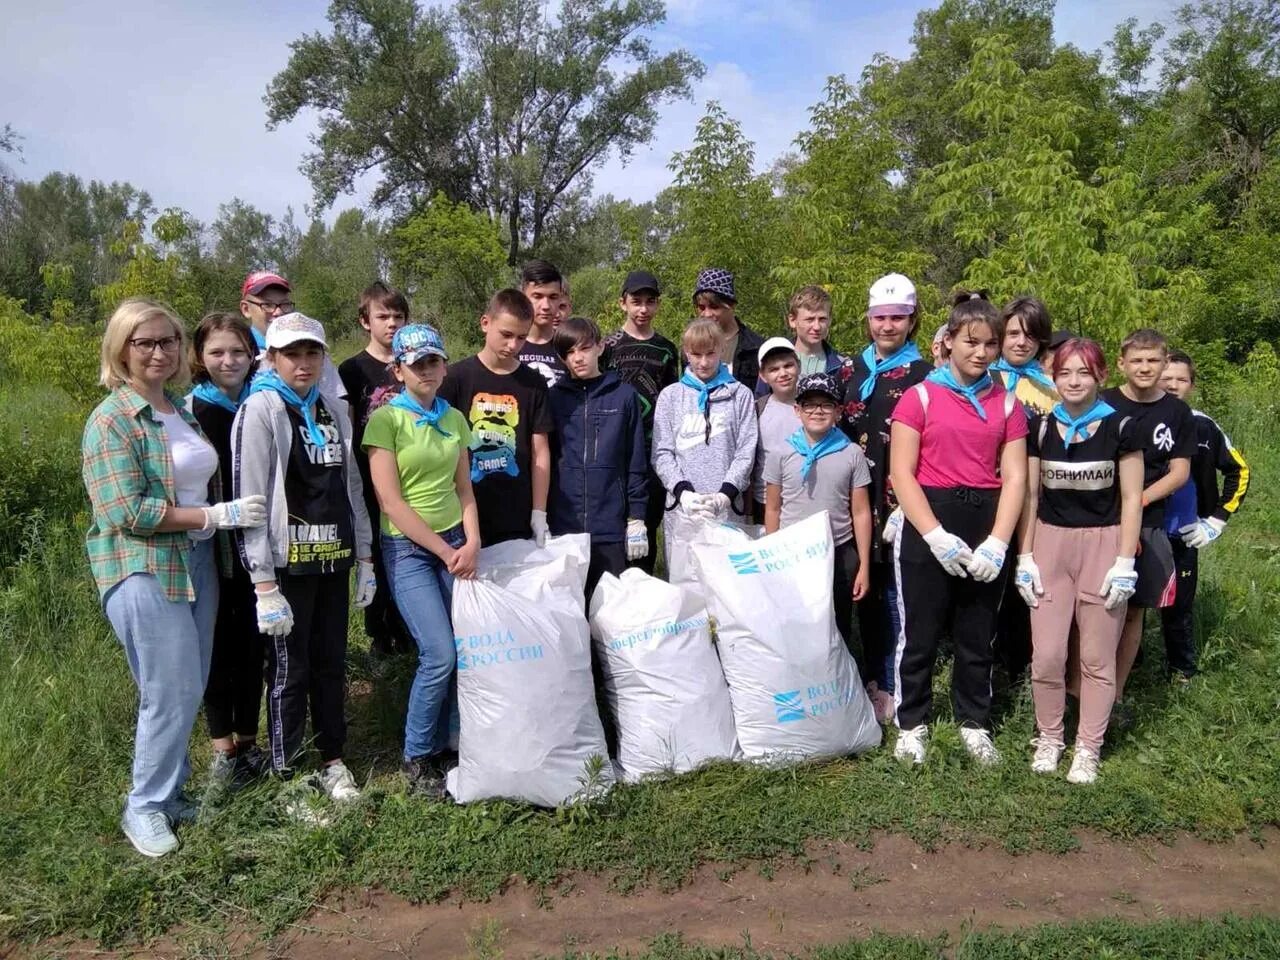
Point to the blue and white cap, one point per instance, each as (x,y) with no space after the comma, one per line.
(417,340)
(716,280)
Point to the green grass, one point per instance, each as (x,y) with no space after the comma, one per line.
(1228,938)
(1201,759)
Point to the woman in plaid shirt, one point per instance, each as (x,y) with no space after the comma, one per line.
(149,473)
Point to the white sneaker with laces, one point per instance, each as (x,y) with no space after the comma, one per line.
(1048,753)
(911,744)
(336,780)
(1084,766)
(150,833)
(978,742)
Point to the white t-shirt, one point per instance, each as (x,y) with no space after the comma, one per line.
(778,421)
(194,460)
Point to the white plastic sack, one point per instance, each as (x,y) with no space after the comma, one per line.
(795,689)
(679,531)
(529,726)
(662,677)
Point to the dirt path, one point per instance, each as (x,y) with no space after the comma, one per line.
(844,893)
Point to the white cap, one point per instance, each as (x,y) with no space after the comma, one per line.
(772,344)
(293,327)
(892,295)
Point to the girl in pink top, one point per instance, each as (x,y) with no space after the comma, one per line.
(958,464)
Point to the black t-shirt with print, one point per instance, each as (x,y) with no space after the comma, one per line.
(1164,430)
(543,358)
(363,376)
(504,411)
(1080,483)
(321,531)
(649,366)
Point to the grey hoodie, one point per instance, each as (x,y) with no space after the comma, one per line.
(688,454)
(261,441)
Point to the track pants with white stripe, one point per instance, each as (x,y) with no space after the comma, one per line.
(309,668)
(933,604)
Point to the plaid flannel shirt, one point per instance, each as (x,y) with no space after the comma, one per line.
(128,474)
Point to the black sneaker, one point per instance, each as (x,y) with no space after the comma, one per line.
(251,764)
(423,778)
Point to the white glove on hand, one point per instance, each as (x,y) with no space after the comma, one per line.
(716,505)
(1120,582)
(1026,578)
(693,504)
(539,524)
(988,560)
(234,514)
(892,527)
(275,616)
(366,584)
(637,540)
(949,550)
(1203,532)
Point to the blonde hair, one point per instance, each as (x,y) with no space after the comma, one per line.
(812,298)
(702,336)
(124,323)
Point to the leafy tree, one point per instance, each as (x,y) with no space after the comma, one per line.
(159,270)
(333,264)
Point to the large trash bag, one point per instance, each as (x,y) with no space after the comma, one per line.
(662,678)
(795,689)
(529,726)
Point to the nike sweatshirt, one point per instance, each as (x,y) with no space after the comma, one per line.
(709,451)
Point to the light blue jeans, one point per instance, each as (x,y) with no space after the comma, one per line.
(423,591)
(168,645)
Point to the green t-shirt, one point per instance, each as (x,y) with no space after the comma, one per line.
(427,461)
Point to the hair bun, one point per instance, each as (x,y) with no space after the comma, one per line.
(964,296)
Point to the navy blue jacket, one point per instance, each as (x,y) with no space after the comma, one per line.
(599,472)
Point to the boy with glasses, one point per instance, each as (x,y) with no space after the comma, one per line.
(265,297)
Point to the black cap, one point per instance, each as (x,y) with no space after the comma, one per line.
(818,383)
(1059,338)
(638,280)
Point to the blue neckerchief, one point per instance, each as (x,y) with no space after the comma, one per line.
(258,338)
(833,442)
(1031,370)
(425,417)
(209,393)
(270,380)
(907,353)
(722,377)
(1078,427)
(946,378)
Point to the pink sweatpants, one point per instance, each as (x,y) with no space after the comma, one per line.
(1072,563)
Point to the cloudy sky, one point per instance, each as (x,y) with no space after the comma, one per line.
(167,94)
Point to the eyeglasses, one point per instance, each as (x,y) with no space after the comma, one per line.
(815,406)
(284,306)
(146,345)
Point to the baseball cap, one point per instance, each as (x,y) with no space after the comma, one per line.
(410,344)
(716,280)
(259,280)
(293,328)
(1059,338)
(892,295)
(772,344)
(820,383)
(638,280)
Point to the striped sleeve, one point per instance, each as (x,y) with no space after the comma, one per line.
(1235,475)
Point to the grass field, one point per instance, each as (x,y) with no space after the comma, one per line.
(1202,759)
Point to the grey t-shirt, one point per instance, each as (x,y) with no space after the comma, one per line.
(827,487)
(777,422)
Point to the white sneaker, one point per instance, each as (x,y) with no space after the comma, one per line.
(911,744)
(1084,766)
(302,801)
(336,780)
(1048,753)
(150,833)
(978,743)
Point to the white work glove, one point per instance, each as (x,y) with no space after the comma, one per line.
(1120,582)
(234,514)
(1026,578)
(988,560)
(949,550)
(716,505)
(275,616)
(366,584)
(637,540)
(1203,532)
(693,504)
(892,527)
(539,523)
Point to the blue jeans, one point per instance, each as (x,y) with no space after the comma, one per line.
(168,645)
(423,591)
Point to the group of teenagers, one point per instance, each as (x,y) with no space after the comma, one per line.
(996,497)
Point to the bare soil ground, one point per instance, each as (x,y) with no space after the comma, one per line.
(841,892)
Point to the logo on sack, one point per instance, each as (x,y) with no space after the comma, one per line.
(775,559)
(744,563)
(490,649)
(669,629)
(788,706)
